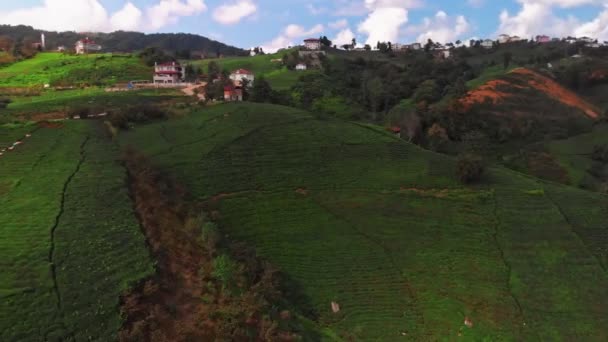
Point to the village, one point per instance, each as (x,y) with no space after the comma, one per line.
(173,74)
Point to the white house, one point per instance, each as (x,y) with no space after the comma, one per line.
(301,66)
(86,45)
(239,75)
(415,46)
(504,38)
(487,43)
(312,44)
(586,40)
(169,73)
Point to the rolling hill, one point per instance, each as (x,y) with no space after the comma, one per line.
(357,217)
(121,41)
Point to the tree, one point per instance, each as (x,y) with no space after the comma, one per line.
(368,47)
(354,42)
(469,168)
(224,270)
(507,56)
(261,91)
(213,70)
(427,91)
(6,43)
(325,42)
(437,137)
(346,47)
(429,45)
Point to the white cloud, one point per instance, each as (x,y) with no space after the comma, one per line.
(343,37)
(167,12)
(441,28)
(129,18)
(338,24)
(383,24)
(289,35)
(235,12)
(90,15)
(537,17)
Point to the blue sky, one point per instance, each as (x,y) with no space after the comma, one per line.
(278,23)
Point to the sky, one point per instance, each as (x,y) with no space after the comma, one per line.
(274,24)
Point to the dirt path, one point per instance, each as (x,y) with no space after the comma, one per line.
(189,90)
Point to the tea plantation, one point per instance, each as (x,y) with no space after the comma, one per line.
(70,244)
(384,229)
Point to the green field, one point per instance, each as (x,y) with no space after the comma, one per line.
(71,244)
(61,69)
(279,77)
(383,228)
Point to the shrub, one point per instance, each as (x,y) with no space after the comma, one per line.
(469,168)
(600,153)
(224,270)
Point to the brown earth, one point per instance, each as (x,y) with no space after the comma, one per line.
(558,92)
(167,307)
(47,116)
(184,301)
(48,124)
(490,92)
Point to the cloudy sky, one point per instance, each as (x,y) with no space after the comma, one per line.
(278,23)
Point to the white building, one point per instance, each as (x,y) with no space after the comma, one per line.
(415,46)
(504,38)
(239,75)
(487,43)
(169,73)
(86,45)
(312,44)
(301,66)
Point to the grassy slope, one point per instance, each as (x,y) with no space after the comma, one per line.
(385,230)
(47,67)
(261,65)
(574,154)
(60,100)
(65,205)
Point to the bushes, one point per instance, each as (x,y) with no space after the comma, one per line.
(469,168)
(4,103)
(135,114)
(600,153)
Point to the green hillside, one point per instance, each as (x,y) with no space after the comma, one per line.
(261,65)
(70,242)
(357,217)
(71,70)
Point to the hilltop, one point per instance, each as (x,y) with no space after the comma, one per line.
(122,41)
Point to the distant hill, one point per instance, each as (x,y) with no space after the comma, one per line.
(121,41)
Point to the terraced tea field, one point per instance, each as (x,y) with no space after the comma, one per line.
(57,68)
(70,244)
(357,217)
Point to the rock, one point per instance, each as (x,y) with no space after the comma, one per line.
(335,307)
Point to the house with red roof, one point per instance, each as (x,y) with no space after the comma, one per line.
(543,39)
(312,44)
(86,45)
(237,77)
(169,73)
(232,93)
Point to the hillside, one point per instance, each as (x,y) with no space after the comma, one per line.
(70,241)
(355,216)
(261,65)
(58,69)
(122,41)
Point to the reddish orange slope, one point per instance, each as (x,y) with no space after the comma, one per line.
(534,80)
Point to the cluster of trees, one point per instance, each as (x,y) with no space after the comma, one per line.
(122,41)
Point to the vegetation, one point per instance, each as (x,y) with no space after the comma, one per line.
(122,41)
(66,266)
(323,201)
(58,69)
